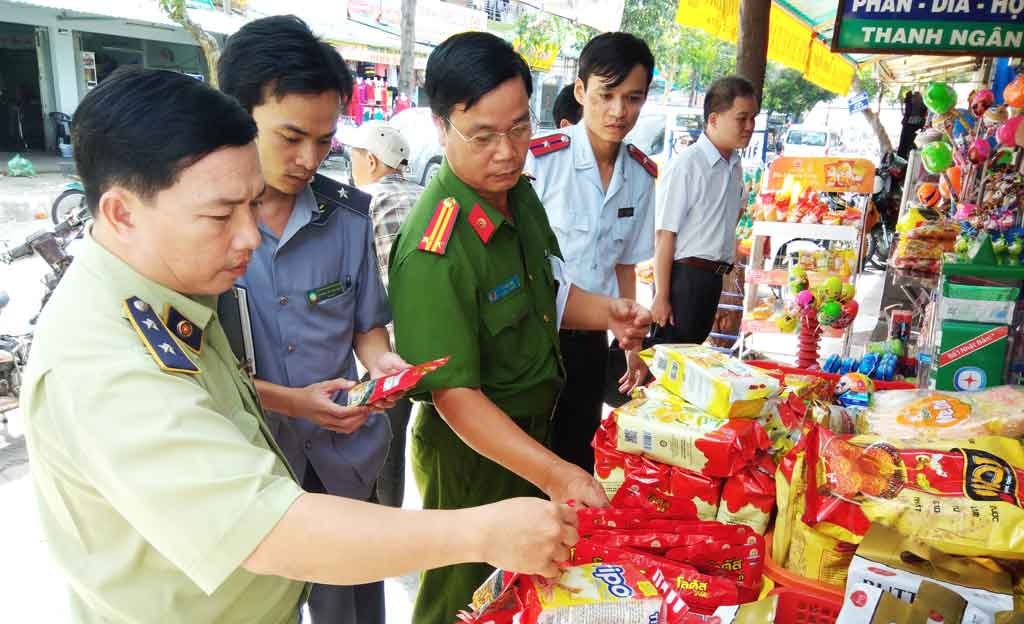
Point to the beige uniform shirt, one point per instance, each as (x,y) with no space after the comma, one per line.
(153,486)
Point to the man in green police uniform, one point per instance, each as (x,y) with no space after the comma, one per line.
(161,492)
(476,274)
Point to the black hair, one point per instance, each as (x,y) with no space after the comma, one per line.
(282,53)
(612,56)
(566,106)
(468,66)
(140,128)
(723,92)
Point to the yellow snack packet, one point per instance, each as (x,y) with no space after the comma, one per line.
(718,384)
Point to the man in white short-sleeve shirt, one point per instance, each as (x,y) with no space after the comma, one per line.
(699,201)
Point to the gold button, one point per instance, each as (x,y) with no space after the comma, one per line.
(547,319)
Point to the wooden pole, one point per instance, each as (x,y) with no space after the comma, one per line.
(752,47)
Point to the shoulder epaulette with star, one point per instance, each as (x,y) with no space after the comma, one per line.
(551,143)
(331,195)
(439,230)
(157,339)
(645,161)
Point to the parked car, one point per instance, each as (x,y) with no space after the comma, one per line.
(662,131)
(810,141)
(417,126)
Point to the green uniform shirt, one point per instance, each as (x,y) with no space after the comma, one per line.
(489,305)
(153,486)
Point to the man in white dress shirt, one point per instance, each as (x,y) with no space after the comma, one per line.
(598,193)
(699,202)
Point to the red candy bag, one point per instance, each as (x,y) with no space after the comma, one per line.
(749,497)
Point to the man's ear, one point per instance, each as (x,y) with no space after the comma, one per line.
(579,91)
(119,207)
(565,123)
(442,134)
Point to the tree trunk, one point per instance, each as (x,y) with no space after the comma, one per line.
(884,143)
(175,9)
(752,46)
(407,60)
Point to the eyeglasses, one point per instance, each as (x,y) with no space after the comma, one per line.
(487,141)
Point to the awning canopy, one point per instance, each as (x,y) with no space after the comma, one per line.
(813,22)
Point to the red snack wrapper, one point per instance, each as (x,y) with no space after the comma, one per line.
(671,431)
(379,389)
(702,592)
(693,494)
(749,497)
(592,519)
(961,497)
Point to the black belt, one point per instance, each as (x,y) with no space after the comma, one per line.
(583,333)
(718,268)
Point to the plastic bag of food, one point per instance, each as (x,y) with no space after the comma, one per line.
(702,592)
(597,593)
(941,415)
(962,497)
(669,430)
(20,167)
(720,385)
(748,497)
(696,495)
(796,546)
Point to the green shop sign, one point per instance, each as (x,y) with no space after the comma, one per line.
(975,27)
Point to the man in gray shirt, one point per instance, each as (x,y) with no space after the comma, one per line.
(699,201)
(315,294)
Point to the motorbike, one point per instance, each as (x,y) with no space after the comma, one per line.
(51,246)
(884,210)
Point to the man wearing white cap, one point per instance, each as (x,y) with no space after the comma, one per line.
(379,153)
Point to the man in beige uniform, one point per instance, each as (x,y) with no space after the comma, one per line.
(162,494)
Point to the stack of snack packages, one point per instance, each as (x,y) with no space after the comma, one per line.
(691,442)
(928,488)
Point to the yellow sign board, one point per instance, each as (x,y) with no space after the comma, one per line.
(790,41)
(828,70)
(541,59)
(822,173)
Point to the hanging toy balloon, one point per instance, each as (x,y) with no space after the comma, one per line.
(1013,94)
(950,182)
(937,157)
(847,314)
(982,101)
(912,217)
(786,321)
(797,280)
(1007,133)
(928,194)
(939,97)
(832,287)
(829,312)
(847,293)
(805,299)
(979,151)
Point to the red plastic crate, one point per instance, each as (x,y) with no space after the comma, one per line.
(798,606)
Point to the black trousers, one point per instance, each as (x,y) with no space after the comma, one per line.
(578,411)
(694,294)
(343,604)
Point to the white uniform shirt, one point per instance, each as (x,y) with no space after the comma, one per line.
(699,198)
(596,230)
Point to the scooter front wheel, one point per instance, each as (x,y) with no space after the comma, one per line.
(66,204)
